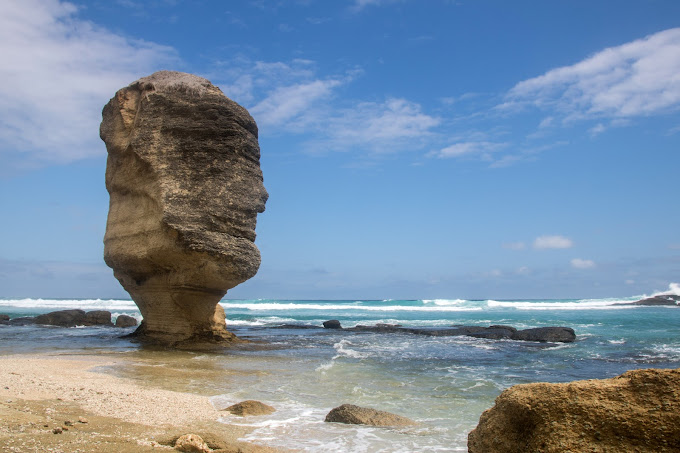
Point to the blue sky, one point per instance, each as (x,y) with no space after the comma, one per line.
(411,149)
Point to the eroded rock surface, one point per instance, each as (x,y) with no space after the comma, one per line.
(185,189)
(357,415)
(638,411)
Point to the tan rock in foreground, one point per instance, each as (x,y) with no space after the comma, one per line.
(185,188)
(638,411)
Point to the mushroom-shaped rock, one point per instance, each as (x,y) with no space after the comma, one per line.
(357,415)
(185,188)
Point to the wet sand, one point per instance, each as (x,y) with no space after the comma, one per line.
(41,393)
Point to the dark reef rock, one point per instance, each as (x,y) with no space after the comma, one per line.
(185,185)
(664,299)
(4,318)
(638,411)
(72,318)
(332,324)
(539,334)
(546,334)
(356,415)
(123,321)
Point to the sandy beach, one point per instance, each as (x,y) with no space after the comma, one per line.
(92,409)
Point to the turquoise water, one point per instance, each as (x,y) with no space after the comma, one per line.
(445,383)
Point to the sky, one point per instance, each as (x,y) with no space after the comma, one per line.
(411,149)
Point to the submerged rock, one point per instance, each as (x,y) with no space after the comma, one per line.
(357,415)
(185,188)
(637,411)
(250,407)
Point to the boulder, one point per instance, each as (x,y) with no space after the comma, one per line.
(546,334)
(22,321)
(357,415)
(638,411)
(185,188)
(332,324)
(98,318)
(191,443)
(4,318)
(72,318)
(250,407)
(125,321)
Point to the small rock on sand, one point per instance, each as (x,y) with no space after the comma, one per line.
(250,407)
(191,443)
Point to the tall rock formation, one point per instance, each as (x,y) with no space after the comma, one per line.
(185,188)
(638,411)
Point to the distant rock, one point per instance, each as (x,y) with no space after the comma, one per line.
(635,412)
(332,324)
(4,318)
(185,186)
(357,415)
(72,318)
(663,299)
(250,407)
(496,332)
(22,321)
(125,321)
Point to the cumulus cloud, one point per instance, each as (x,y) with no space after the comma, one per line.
(57,73)
(638,78)
(552,242)
(578,263)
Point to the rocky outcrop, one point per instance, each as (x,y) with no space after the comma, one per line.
(638,411)
(662,299)
(538,334)
(357,415)
(185,189)
(72,318)
(250,407)
(125,321)
(4,318)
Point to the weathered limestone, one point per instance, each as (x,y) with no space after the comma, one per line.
(185,189)
(357,415)
(638,411)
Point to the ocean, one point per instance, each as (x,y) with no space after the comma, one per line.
(444,383)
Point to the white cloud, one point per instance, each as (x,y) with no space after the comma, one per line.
(524,270)
(552,242)
(481,148)
(291,103)
(578,263)
(387,126)
(57,73)
(639,78)
(514,246)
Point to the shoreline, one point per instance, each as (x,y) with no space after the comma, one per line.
(41,392)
